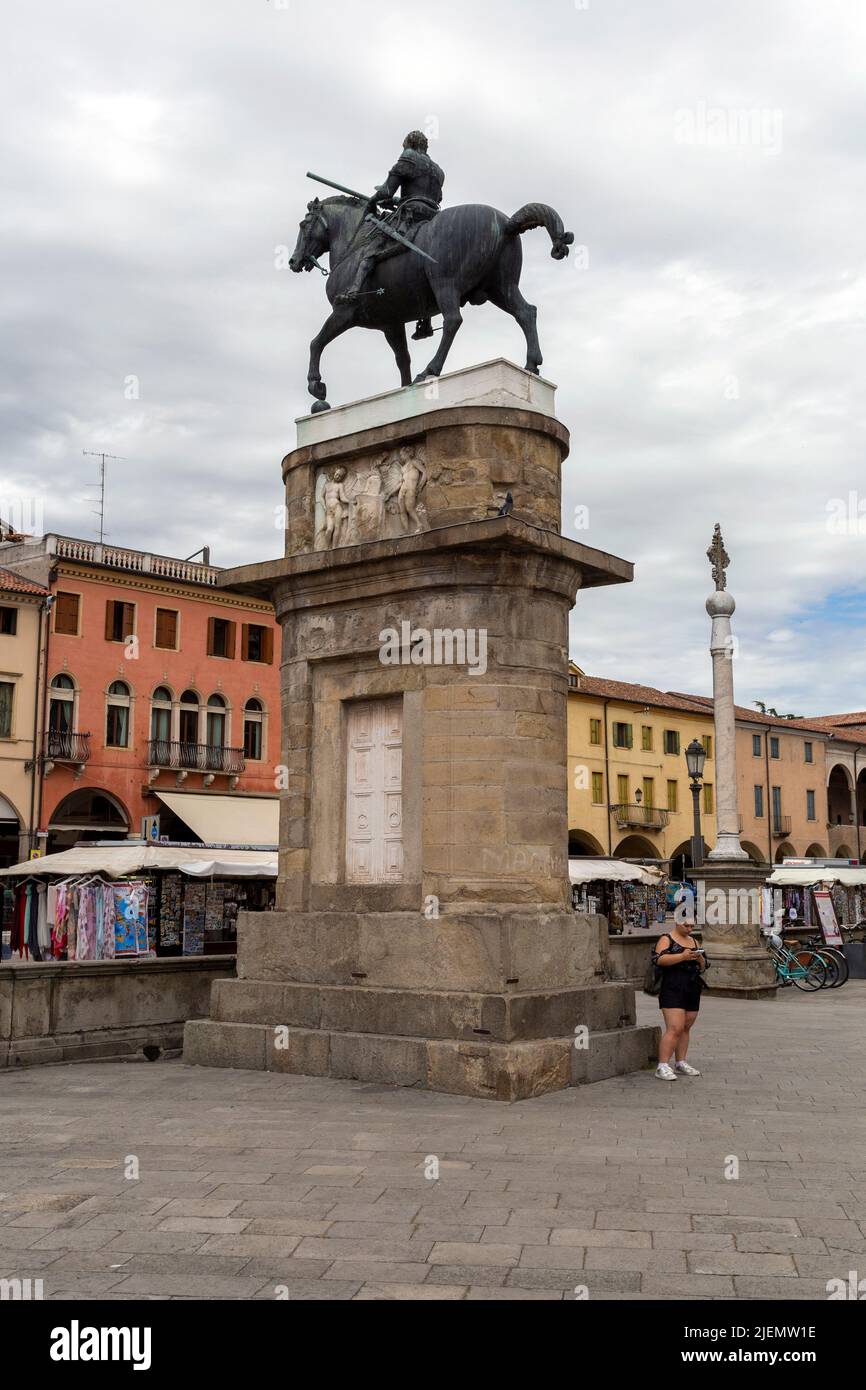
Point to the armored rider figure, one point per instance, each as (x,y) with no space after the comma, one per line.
(419,181)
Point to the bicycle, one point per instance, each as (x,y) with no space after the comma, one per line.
(809,974)
(838,968)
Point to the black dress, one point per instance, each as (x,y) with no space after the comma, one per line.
(681,984)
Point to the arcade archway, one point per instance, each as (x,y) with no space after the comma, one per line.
(87,814)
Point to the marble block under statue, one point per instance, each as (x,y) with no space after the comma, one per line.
(423,934)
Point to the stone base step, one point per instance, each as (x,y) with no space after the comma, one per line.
(457,1015)
(506,1071)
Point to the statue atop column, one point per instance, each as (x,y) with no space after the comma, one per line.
(456,256)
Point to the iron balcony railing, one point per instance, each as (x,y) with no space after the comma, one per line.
(67,747)
(781,827)
(195,757)
(633,813)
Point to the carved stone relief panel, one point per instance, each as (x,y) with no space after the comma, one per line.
(371,499)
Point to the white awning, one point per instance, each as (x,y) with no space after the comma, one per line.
(583,870)
(123,861)
(224,868)
(802,875)
(227,820)
(7,811)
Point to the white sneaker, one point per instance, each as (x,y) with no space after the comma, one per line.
(685,1070)
(665,1072)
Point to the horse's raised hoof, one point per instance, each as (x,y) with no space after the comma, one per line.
(317,388)
(319,407)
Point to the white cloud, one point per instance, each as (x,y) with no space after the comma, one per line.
(708,359)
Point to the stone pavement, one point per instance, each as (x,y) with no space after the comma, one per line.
(254,1185)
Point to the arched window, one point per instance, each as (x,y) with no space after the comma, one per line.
(216,722)
(253,726)
(117,715)
(61,707)
(160,718)
(189,712)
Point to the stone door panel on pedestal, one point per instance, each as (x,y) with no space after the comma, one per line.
(374,791)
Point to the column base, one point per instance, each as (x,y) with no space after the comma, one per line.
(729,915)
(487,1070)
(484,1012)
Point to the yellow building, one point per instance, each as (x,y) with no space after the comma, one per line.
(629,792)
(22,633)
(628,785)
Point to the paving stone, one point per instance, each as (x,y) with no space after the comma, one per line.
(568,1280)
(155,1242)
(332,1172)
(244,1244)
(733,1262)
(84,1238)
(326,1248)
(376,1270)
(777,1243)
(191,1286)
(372,1230)
(411,1293)
(380,1210)
(732,1225)
(779,1290)
(691,1240)
(178,1206)
(466,1253)
(643,1221)
(493,1276)
(308,1291)
(286,1226)
(652,1261)
(621,1240)
(525,1235)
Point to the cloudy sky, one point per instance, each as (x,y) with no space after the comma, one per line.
(707,342)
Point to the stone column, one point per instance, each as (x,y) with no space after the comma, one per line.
(720,606)
(729,884)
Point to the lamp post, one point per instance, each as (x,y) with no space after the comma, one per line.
(696,756)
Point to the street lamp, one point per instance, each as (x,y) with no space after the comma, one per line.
(696,756)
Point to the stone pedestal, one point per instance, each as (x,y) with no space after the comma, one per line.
(423,935)
(729,915)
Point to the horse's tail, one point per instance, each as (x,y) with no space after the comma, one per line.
(540,215)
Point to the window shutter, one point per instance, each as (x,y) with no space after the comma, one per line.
(66,614)
(211,627)
(109,620)
(230,640)
(628,736)
(166,628)
(245,641)
(268,645)
(128,620)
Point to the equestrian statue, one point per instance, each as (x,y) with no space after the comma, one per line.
(395,259)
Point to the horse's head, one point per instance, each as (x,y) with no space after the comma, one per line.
(313,238)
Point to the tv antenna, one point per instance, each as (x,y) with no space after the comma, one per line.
(100,512)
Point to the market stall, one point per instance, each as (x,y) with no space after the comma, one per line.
(791,888)
(102,901)
(630,896)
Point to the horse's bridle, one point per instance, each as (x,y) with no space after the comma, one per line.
(315,214)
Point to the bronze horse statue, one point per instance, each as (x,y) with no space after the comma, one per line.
(476,258)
